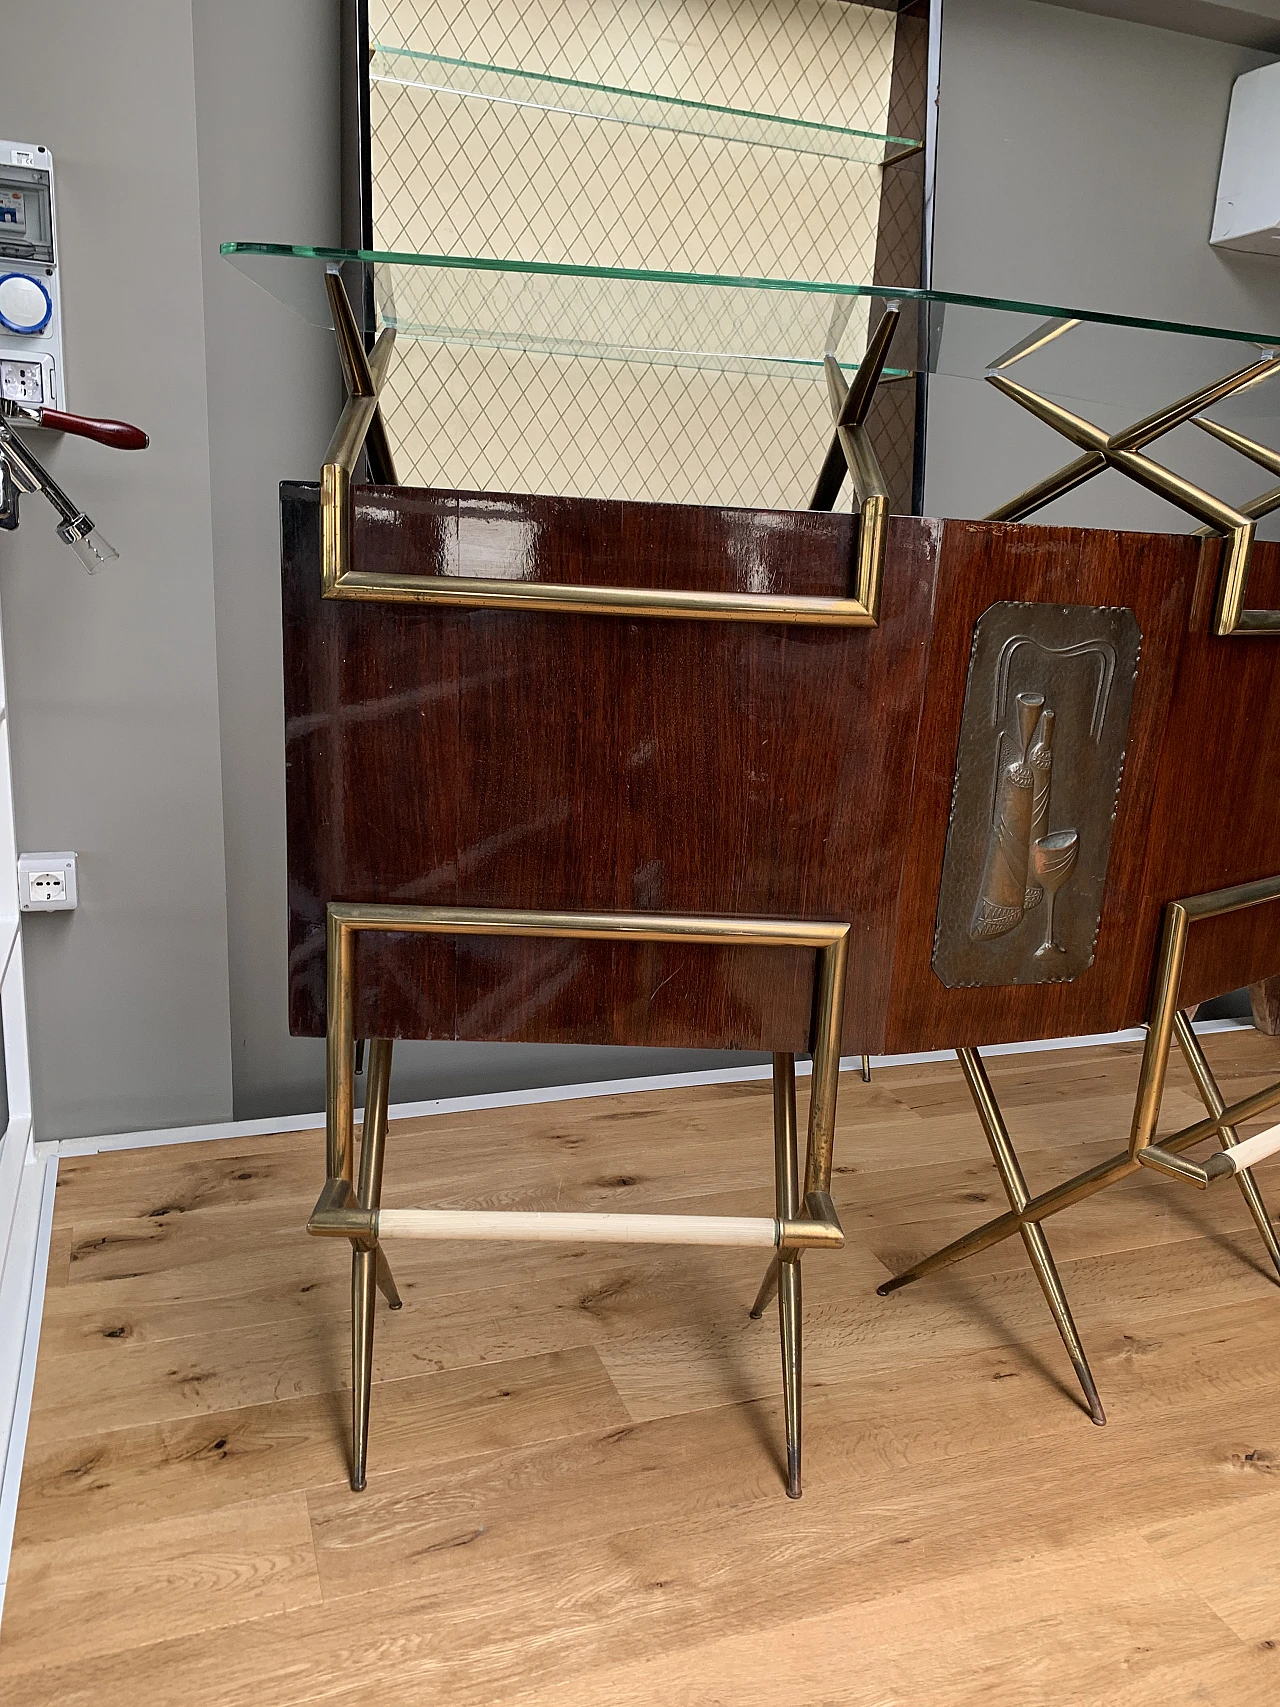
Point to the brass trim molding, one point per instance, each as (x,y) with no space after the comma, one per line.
(360,428)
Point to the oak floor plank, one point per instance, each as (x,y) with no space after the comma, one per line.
(1080,1620)
(574,1490)
(1233,1557)
(81,1482)
(484,1618)
(246,1561)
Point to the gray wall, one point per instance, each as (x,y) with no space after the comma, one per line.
(267,107)
(1077,158)
(113,679)
(1077,165)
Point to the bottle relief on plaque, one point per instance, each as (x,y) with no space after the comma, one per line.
(1042,738)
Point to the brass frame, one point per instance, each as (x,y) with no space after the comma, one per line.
(1121,451)
(354,1213)
(1167,1022)
(360,428)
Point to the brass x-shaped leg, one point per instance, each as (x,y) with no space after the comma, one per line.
(1122,451)
(1213,1100)
(1167,1022)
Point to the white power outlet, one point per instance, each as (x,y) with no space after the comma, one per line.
(47,882)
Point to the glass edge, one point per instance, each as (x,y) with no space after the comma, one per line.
(649,95)
(814,287)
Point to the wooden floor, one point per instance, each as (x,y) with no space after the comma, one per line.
(574,1491)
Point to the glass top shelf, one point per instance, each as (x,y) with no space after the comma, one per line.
(771,327)
(510,86)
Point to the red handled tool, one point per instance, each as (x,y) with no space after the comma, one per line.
(117,435)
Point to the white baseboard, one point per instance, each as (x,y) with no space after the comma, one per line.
(570,1093)
(22,1280)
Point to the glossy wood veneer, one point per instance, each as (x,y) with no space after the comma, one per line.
(582,762)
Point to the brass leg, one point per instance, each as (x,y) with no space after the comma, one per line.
(1212,1098)
(1047,1274)
(1033,1236)
(981,1238)
(790,1317)
(365,1265)
(866,1069)
(786,1174)
(363,1296)
(768,1286)
(386,1281)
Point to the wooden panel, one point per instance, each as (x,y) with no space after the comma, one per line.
(568,762)
(1214,812)
(528,760)
(981,563)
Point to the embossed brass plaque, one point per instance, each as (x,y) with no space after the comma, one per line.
(1042,739)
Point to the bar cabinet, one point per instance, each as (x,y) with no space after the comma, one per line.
(566,768)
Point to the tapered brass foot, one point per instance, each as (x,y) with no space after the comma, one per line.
(784,1272)
(363,1294)
(790,1317)
(1015,1185)
(1004,1226)
(369,1268)
(386,1281)
(768,1286)
(1261,1219)
(1047,1274)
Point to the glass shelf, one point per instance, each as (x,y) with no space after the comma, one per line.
(772,327)
(509,86)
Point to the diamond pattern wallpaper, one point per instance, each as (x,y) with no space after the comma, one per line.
(458,174)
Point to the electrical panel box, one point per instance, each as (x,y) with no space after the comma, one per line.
(30,308)
(1247,214)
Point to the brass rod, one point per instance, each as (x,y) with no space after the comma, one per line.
(339,1052)
(380,357)
(790,1317)
(374,1143)
(637,927)
(980,1239)
(363,1295)
(1165,1162)
(1183,493)
(1155,1053)
(1033,1236)
(1174,414)
(386,1280)
(1053,486)
(768,1286)
(787,1198)
(830,477)
(1218,902)
(1235,1114)
(825,1082)
(349,434)
(1213,1100)
(351,351)
(862,387)
(786,1177)
(1261,454)
(471,592)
